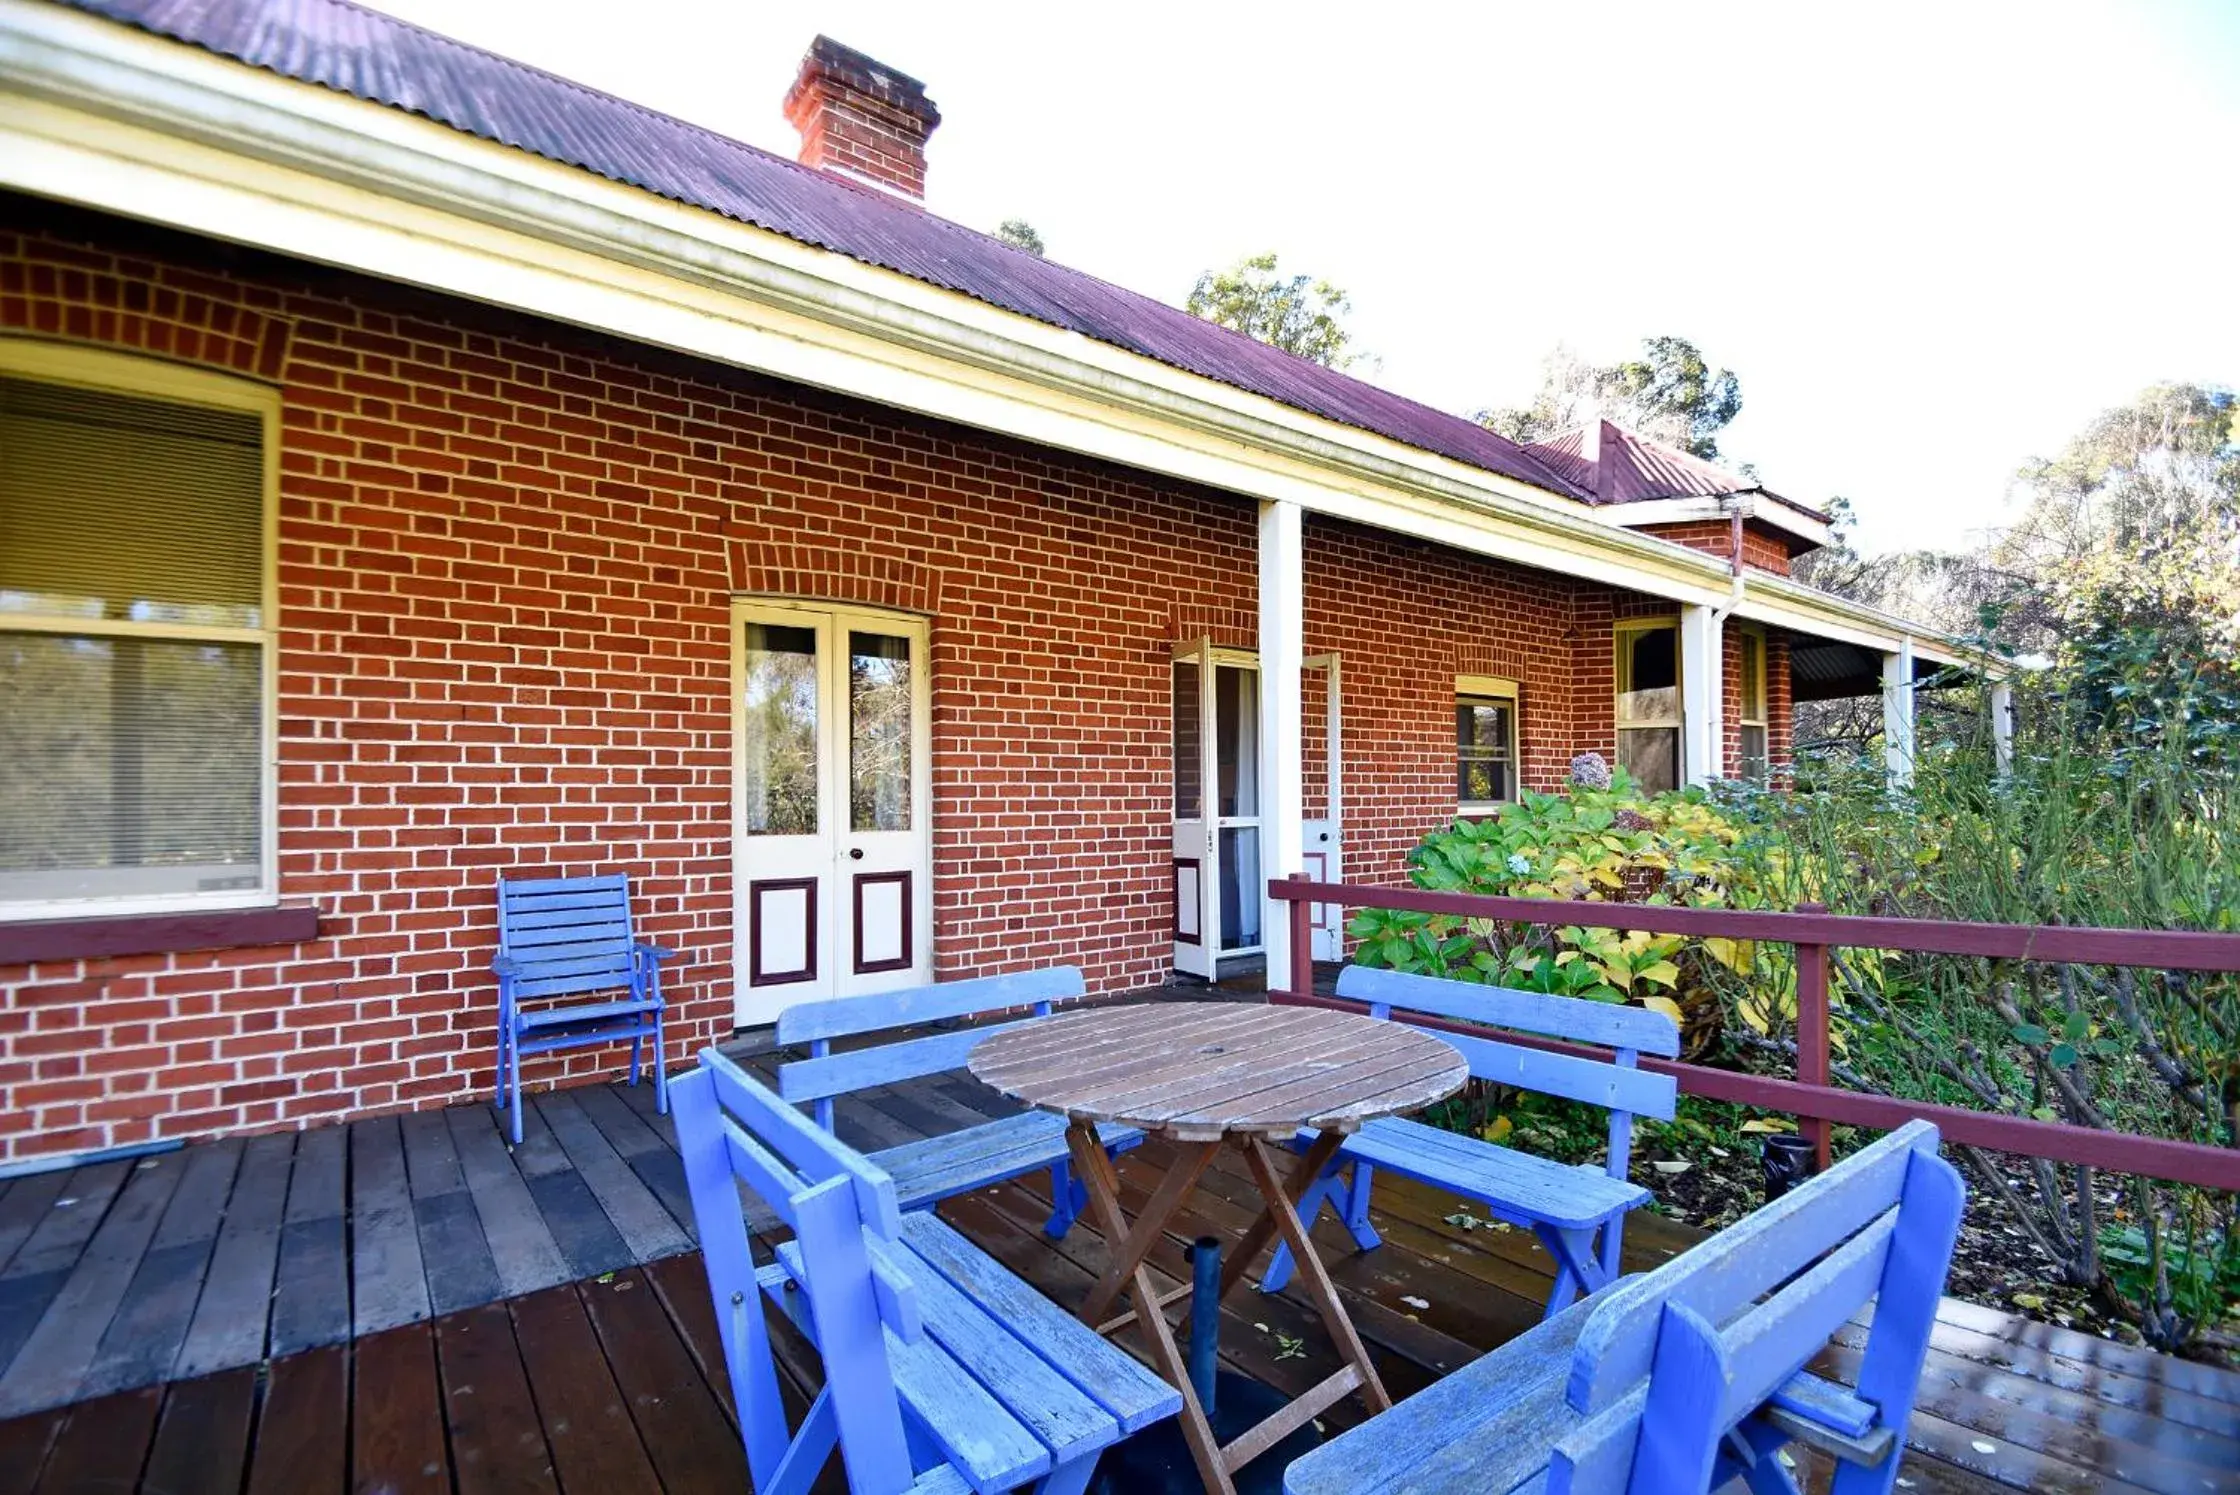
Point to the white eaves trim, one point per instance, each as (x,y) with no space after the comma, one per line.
(1768,512)
(94,112)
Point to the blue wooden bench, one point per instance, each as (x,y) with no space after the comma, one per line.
(1566,1206)
(943,1372)
(1679,1380)
(571,937)
(934,1168)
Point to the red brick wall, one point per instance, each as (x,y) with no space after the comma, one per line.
(1763,548)
(506,556)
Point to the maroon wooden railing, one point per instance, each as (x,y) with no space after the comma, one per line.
(1809,1097)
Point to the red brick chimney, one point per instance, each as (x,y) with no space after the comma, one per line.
(861,119)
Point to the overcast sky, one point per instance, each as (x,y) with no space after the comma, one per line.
(1932,240)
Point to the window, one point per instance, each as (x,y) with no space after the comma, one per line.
(1485,742)
(136,670)
(1753,716)
(1648,708)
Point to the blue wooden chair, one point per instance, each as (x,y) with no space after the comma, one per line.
(1567,1207)
(571,937)
(943,1372)
(934,1168)
(1680,1380)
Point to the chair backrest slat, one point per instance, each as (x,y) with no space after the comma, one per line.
(860,1069)
(565,935)
(826,1074)
(1590,1080)
(814,1152)
(1610,1025)
(849,1017)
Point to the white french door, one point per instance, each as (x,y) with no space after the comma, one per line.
(833,851)
(1217,808)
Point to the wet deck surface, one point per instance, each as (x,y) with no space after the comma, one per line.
(615,1382)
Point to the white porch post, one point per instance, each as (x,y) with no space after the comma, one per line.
(1703,694)
(1897,714)
(2002,726)
(1282,784)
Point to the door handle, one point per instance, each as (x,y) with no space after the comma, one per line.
(855,853)
(1323,836)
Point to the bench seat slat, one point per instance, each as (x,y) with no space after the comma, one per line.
(1117,1381)
(1536,1188)
(933,1168)
(584,1012)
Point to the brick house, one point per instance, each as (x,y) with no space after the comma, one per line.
(522,482)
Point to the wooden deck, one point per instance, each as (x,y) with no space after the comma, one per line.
(610,1380)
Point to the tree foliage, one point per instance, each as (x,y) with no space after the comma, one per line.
(1669,394)
(1020,234)
(1300,314)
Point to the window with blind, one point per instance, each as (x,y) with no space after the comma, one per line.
(1753,714)
(134,637)
(1648,704)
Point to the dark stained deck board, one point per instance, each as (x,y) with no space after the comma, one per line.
(230,1315)
(388,1275)
(594,1443)
(497,1444)
(303,1428)
(522,1250)
(27,1203)
(311,1277)
(202,1438)
(639,1362)
(397,1443)
(645,1225)
(54,1359)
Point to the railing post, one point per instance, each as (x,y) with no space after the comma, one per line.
(1302,942)
(1812,1032)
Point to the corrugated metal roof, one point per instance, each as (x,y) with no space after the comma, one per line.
(1618,466)
(371,56)
(1613,465)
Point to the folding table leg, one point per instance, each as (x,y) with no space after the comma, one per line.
(1094,1169)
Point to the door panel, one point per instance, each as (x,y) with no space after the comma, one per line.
(785,838)
(834,847)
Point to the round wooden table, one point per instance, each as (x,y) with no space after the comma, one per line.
(1204,1076)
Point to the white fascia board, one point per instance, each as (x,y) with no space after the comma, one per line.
(1689,510)
(102,115)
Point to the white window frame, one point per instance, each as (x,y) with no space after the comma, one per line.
(1620,665)
(1744,721)
(1494,688)
(126,373)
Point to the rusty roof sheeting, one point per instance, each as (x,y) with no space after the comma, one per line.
(379,58)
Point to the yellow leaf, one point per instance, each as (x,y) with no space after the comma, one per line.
(1663,973)
(1764,1124)
(1497,1130)
(1664,1005)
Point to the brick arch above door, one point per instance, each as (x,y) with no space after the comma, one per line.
(828,571)
(1228,627)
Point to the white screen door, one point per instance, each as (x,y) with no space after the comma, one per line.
(834,866)
(1217,884)
(1319,784)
